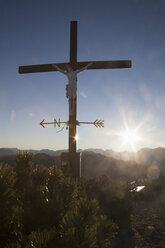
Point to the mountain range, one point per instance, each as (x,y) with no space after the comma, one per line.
(143,156)
(146,163)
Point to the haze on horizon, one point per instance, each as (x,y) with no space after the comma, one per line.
(132,100)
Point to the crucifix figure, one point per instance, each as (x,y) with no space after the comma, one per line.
(71,87)
(71,70)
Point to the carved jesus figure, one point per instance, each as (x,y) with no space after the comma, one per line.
(71,87)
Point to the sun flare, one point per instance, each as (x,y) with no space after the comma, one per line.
(131,134)
(130,137)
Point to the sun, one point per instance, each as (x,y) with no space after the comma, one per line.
(131,134)
(130,137)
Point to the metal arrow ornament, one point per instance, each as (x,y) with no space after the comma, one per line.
(97,123)
(55,122)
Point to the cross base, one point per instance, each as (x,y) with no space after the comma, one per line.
(71,163)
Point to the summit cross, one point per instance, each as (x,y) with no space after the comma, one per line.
(71,69)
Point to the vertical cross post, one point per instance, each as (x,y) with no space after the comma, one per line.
(73,63)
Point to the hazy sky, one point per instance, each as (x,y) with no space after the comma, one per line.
(38,32)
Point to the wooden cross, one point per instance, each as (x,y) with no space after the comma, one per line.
(75,66)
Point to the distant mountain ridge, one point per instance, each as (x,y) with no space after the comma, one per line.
(146,163)
(14,151)
(143,156)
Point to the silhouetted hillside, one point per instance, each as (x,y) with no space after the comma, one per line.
(139,215)
(39,159)
(46,160)
(8,151)
(94,165)
(144,156)
(14,151)
(146,163)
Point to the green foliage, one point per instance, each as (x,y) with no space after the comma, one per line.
(104,230)
(9,207)
(40,239)
(42,207)
(24,169)
(114,198)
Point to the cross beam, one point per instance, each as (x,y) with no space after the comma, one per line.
(114,64)
(75,66)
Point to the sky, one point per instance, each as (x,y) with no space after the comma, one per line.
(38,32)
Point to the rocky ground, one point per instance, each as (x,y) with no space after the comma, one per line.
(148,223)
